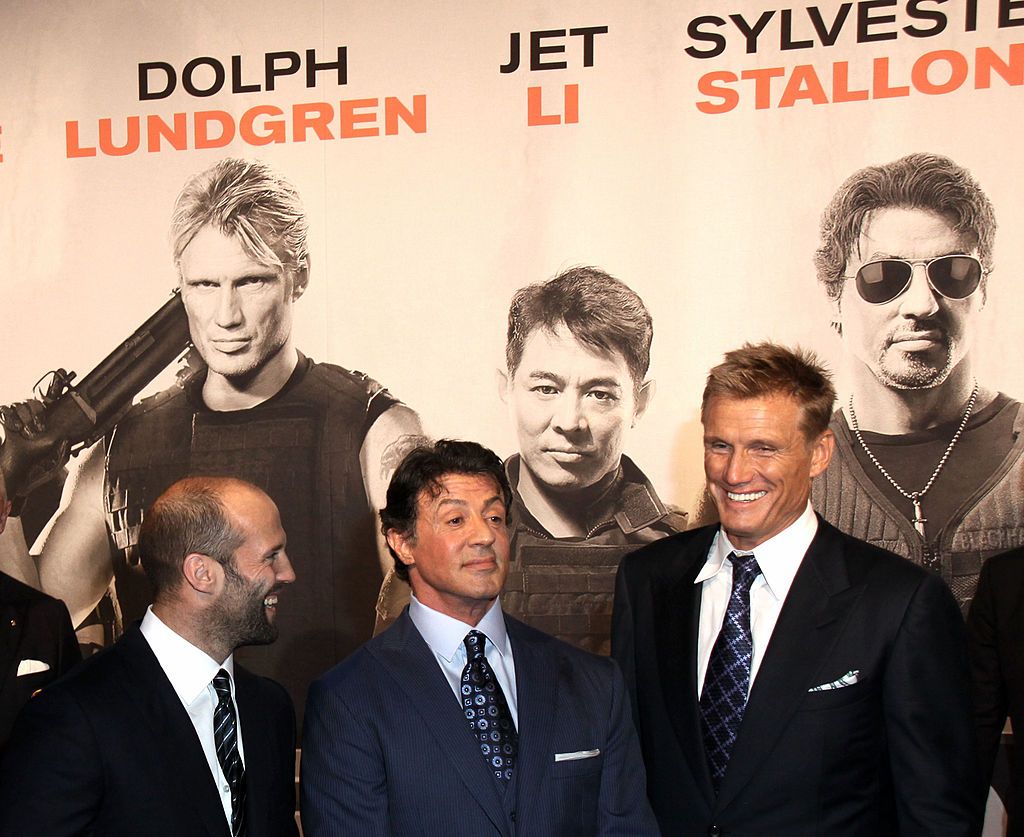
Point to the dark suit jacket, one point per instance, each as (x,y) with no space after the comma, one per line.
(33,627)
(995,631)
(893,753)
(109,751)
(387,750)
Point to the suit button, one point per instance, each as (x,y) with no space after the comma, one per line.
(512,816)
(714,831)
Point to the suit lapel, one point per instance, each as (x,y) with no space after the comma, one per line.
(811,619)
(12,617)
(167,724)
(537,695)
(676,603)
(257,741)
(410,662)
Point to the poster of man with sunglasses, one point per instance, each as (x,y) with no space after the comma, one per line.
(929,461)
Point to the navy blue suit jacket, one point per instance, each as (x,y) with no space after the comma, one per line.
(109,751)
(33,626)
(891,754)
(387,750)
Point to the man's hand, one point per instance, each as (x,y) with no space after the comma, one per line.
(28,455)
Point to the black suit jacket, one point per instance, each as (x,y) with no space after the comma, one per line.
(109,751)
(388,752)
(34,629)
(892,753)
(995,629)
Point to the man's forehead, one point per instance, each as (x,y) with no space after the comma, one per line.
(900,226)
(455,488)
(543,345)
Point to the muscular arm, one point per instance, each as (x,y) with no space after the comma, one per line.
(344,785)
(389,439)
(928,719)
(72,553)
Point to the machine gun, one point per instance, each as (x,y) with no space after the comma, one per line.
(73,416)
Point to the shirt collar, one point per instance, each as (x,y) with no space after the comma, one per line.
(779,557)
(189,669)
(445,635)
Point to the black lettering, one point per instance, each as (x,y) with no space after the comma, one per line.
(831,35)
(786,40)
(915,11)
(693,29)
(236,77)
(272,71)
(865,20)
(1005,8)
(971,16)
(171,80)
(751,33)
(536,50)
(190,68)
(587,33)
(513,57)
(312,67)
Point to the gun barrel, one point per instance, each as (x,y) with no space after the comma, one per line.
(133,364)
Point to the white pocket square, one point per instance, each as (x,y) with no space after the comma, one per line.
(847,679)
(579,754)
(32,667)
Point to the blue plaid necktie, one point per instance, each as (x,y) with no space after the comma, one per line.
(487,711)
(728,676)
(225,739)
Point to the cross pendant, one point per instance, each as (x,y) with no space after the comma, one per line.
(919,518)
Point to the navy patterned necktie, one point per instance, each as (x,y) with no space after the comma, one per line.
(728,676)
(487,710)
(225,739)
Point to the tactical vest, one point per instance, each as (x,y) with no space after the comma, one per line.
(989,521)
(301,447)
(565,586)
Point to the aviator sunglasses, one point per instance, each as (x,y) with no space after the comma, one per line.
(954,277)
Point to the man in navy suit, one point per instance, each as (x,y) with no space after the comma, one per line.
(37,642)
(788,679)
(161,734)
(459,720)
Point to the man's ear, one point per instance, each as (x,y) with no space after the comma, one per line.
(300,281)
(503,380)
(202,573)
(821,452)
(402,545)
(643,400)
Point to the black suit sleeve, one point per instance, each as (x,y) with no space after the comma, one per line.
(623,649)
(927,708)
(987,680)
(51,782)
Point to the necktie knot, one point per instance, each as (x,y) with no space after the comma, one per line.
(222,684)
(474,642)
(744,569)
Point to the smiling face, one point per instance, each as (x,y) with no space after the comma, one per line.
(572,406)
(915,340)
(239,310)
(759,464)
(247,608)
(458,554)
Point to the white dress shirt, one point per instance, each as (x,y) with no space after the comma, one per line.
(779,558)
(191,672)
(445,635)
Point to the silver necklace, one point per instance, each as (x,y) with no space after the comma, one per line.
(915,496)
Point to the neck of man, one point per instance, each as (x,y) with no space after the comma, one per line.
(223,394)
(561,513)
(185,625)
(883,409)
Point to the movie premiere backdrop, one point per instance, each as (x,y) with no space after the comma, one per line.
(450,153)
